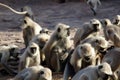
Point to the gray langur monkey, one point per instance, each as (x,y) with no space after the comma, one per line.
(30,27)
(93,5)
(93,27)
(30,57)
(111,32)
(99,72)
(116,20)
(59,36)
(83,56)
(113,58)
(100,44)
(41,39)
(34,73)
(9,58)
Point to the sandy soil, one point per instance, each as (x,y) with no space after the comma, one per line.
(48,14)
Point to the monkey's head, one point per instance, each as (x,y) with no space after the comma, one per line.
(45,74)
(86,51)
(33,48)
(42,39)
(105,22)
(62,30)
(96,25)
(104,70)
(100,43)
(116,20)
(27,22)
(14,50)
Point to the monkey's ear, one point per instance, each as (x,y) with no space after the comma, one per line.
(100,67)
(106,23)
(58,29)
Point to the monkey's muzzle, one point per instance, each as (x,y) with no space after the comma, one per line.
(87,58)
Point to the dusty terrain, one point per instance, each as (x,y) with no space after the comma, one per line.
(48,14)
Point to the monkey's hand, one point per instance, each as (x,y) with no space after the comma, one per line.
(64,56)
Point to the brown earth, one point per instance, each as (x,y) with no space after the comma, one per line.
(48,14)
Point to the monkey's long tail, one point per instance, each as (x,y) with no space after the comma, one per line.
(17,12)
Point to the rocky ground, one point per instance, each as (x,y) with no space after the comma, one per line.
(48,14)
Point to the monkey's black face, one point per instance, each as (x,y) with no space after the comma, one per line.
(63,33)
(14,52)
(33,49)
(116,21)
(96,27)
(87,58)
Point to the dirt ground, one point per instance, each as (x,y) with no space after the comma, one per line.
(48,14)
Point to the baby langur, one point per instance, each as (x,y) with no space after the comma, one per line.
(60,35)
(8,55)
(116,20)
(83,56)
(41,39)
(34,73)
(91,28)
(100,72)
(111,32)
(30,27)
(31,57)
(93,5)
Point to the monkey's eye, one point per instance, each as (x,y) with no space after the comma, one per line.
(25,21)
(41,72)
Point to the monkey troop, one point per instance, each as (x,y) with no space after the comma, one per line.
(89,56)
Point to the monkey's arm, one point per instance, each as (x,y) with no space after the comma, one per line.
(27,62)
(4,62)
